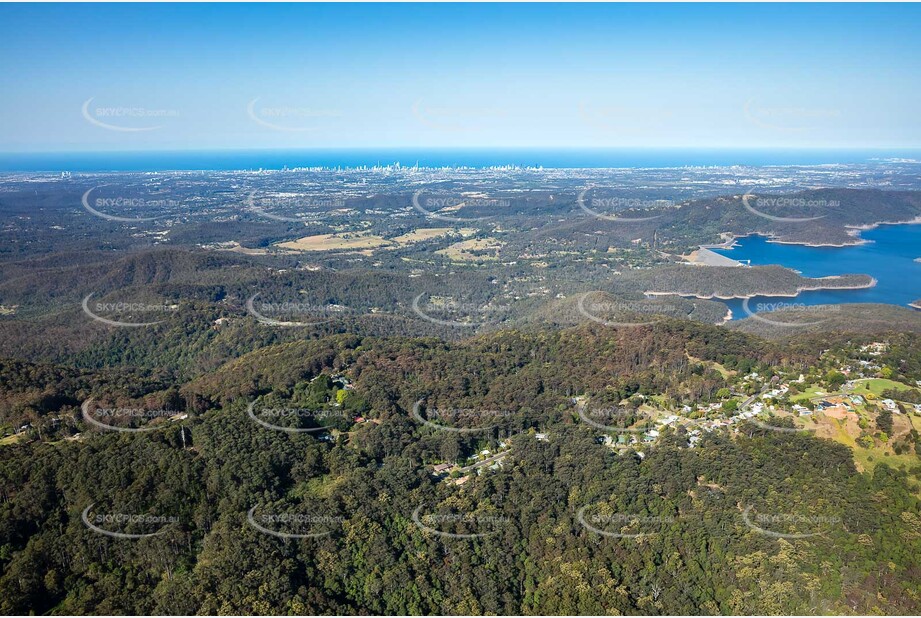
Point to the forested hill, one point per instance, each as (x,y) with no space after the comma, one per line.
(816,217)
(794,322)
(229,515)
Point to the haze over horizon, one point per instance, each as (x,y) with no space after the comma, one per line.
(189,77)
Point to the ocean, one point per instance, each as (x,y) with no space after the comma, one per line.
(158,161)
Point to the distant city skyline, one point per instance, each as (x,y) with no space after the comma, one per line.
(101,78)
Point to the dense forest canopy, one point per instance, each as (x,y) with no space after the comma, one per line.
(231,516)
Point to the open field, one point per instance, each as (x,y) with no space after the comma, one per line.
(726,373)
(473,250)
(336,242)
(810,393)
(422,234)
(846,431)
(320,487)
(8,440)
(876,386)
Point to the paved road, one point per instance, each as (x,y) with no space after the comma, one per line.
(749,401)
(486,461)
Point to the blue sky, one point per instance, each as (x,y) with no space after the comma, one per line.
(163,77)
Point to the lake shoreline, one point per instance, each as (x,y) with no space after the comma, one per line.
(799,290)
(852,230)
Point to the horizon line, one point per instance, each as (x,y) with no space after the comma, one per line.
(448,148)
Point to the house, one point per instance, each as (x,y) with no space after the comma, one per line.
(875,349)
(542,437)
(442,468)
(343,382)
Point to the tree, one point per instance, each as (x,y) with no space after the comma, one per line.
(884,422)
(835,379)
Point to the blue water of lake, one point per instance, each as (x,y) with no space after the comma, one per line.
(889,257)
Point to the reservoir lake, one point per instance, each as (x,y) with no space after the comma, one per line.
(889,257)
